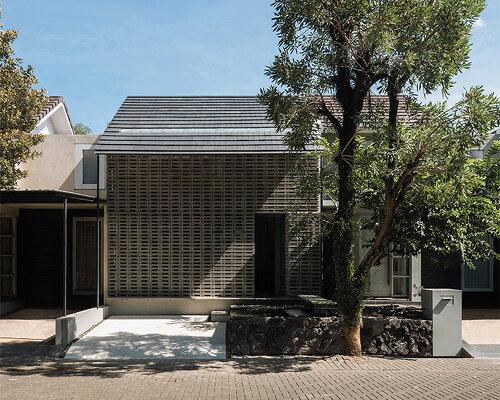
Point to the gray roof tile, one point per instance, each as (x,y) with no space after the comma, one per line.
(194,125)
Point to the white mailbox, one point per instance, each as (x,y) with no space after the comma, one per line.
(444,308)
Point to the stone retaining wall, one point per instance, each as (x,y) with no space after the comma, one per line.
(324,336)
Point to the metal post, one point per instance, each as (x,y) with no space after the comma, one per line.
(65,262)
(98,234)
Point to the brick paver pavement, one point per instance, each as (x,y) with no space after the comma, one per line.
(252,378)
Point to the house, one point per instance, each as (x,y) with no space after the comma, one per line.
(193,196)
(197,192)
(32,220)
(480,286)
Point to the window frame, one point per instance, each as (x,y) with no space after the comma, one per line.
(490,267)
(407,277)
(101,255)
(78,172)
(13,255)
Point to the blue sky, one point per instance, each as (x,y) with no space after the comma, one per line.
(96,52)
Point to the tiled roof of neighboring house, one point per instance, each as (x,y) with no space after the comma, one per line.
(192,125)
(53,102)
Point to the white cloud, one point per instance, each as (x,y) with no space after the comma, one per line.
(479,23)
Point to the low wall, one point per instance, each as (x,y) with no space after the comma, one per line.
(178,305)
(71,326)
(324,336)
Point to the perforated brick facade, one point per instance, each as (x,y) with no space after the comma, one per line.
(184,225)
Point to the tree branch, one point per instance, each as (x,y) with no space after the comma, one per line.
(323,110)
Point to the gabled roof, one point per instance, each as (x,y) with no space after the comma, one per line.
(197,125)
(190,125)
(51,108)
(189,112)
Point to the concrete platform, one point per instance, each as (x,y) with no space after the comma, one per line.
(28,333)
(481,332)
(140,337)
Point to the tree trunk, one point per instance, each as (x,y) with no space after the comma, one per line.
(349,292)
(352,341)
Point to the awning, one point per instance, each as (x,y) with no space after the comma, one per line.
(43,196)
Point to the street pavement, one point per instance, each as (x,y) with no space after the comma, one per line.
(252,378)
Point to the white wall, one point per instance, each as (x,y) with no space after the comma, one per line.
(45,128)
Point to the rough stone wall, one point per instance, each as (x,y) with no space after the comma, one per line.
(397,336)
(324,336)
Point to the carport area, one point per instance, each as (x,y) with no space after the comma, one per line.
(28,333)
(481,332)
(152,337)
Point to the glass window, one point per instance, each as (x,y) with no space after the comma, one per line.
(400,276)
(84,256)
(89,167)
(479,279)
(6,226)
(7,257)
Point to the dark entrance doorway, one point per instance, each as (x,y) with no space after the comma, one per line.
(40,258)
(269,255)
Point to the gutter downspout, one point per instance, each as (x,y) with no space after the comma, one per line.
(98,234)
(65,255)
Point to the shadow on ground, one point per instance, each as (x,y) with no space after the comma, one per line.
(126,345)
(118,368)
(26,349)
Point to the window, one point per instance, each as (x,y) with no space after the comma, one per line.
(89,167)
(479,279)
(7,257)
(84,256)
(86,167)
(400,276)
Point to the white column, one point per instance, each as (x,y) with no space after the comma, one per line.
(415,277)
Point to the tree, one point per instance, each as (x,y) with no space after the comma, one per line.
(422,188)
(81,129)
(20,104)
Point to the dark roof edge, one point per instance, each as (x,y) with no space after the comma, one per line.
(44,196)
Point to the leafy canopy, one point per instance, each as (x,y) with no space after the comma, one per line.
(81,129)
(415,175)
(451,200)
(20,104)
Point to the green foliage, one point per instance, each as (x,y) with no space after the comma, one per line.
(20,105)
(413,175)
(81,129)
(451,201)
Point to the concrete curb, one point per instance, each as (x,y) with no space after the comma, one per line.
(72,326)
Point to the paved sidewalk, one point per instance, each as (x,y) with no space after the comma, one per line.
(253,378)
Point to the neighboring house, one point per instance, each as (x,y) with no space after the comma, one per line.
(32,234)
(194,193)
(480,286)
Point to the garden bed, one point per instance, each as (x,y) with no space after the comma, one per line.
(387,330)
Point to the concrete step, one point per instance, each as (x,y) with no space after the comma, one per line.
(219,316)
(481,350)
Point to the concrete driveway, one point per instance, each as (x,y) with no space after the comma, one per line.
(152,337)
(481,332)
